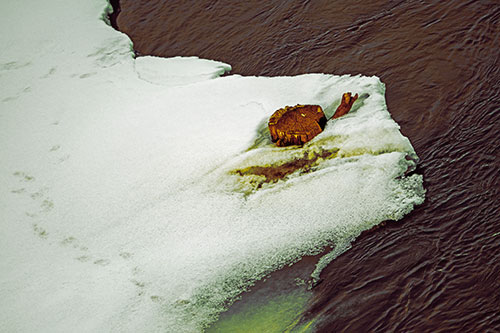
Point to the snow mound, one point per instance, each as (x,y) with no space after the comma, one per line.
(132,206)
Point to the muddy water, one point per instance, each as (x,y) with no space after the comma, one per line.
(439,268)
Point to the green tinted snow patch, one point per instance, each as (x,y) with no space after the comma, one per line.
(277,313)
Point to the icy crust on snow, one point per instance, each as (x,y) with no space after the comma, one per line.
(178,71)
(121,206)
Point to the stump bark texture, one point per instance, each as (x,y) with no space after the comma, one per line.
(296,125)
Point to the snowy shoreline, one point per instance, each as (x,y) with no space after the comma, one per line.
(119,210)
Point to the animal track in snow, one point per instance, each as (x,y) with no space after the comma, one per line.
(13,65)
(102,262)
(23,176)
(39,231)
(50,73)
(55,147)
(125,255)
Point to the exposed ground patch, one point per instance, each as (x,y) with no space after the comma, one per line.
(273,173)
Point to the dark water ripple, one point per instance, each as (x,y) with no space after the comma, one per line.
(437,270)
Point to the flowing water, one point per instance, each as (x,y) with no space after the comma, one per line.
(439,268)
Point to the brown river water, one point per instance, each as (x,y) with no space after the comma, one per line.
(438,269)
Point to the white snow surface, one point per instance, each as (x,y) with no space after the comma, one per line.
(178,71)
(120,210)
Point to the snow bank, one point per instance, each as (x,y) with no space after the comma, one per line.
(121,206)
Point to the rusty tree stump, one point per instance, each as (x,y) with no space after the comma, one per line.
(296,125)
